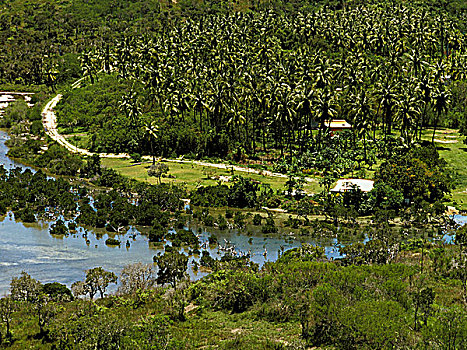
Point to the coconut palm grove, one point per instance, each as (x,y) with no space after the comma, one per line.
(297,171)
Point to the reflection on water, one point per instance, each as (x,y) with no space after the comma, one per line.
(65,259)
(4,160)
(49,259)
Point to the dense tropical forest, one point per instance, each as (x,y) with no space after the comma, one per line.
(253,84)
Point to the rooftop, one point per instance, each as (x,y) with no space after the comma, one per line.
(344,185)
(337,124)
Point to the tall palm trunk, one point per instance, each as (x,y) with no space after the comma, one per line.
(434,128)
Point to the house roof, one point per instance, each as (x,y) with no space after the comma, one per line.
(344,185)
(337,124)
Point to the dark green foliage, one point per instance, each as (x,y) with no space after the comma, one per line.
(157,232)
(26,215)
(257,219)
(385,197)
(293,222)
(239,220)
(207,260)
(212,239)
(209,220)
(16,113)
(222,222)
(57,291)
(112,242)
(419,175)
(183,236)
(166,196)
(37,128)
(59,228)
(243,193)
(212,196)
(171,266)
(110,178)
(92,166)
(269,226)
(59,161)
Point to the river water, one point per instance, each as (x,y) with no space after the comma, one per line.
(31,248)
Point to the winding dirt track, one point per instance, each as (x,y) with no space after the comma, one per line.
(49,121)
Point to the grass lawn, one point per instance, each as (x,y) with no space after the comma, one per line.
(219,330)
(455,153)
(193,175)
(450,145)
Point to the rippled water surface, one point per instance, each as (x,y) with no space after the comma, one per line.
(32,249)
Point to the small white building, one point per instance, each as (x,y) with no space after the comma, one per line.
(344,185)
(337,125)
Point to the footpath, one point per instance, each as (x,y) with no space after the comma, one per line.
(49,121)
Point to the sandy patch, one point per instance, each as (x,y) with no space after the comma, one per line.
(446,141)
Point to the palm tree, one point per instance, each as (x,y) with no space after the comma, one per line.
(386,93)
(130,105)
(324,108)
(361,112)
(441,102)
(152,129)
(407,112)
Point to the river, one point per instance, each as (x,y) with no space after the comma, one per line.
(31,248)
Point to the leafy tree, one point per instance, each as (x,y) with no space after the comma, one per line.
(80,288)
(7,308)
(414,178)
(243,193)
(152,129)
(45,309)
(93,166)
(97,280)
(157,232)
(136,277)
(25,288)
(172,267)
(59,228)
(158,170)
(57,291)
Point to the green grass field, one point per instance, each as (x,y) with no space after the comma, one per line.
(452,148)
(193,175)
(449,142)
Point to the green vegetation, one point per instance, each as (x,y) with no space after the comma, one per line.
(403,299)
(255,84)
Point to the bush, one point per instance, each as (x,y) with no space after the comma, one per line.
(59,228)
(270,226)
(157,232)
(112,242)
(257,219)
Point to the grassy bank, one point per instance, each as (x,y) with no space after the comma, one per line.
(451,147)
(193,175)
